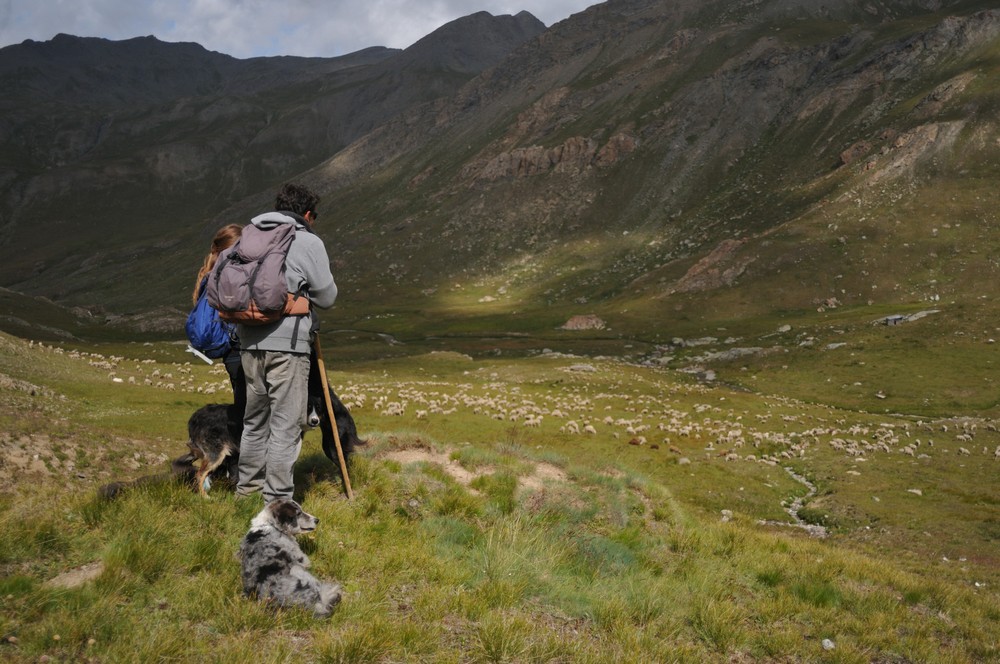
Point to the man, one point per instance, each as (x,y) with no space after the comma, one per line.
(276,356)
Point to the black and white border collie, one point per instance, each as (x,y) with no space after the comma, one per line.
(318,416)
(214,433)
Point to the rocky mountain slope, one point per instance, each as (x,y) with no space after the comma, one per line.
(734,157)
(666,165)
(140,142)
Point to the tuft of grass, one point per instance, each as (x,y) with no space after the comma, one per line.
(498,639)
(456,501)
(771,578)
(817,592)
(474,458)
(500,489)
(718,623)
(360,644)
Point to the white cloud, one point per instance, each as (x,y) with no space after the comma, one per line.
(245,28)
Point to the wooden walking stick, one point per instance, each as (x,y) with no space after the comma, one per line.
(333,419)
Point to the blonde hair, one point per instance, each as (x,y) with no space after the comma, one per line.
(224,238)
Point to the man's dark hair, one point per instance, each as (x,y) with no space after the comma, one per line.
(296,198)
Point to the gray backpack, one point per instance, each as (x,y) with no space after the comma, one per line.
(247,284)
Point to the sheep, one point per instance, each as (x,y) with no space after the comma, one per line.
(571,427)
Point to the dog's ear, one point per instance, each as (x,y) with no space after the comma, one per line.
(286,512)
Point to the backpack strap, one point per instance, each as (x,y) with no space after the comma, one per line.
(297,305)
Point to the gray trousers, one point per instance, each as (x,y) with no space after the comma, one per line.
(277,396)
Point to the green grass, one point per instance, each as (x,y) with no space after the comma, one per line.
(555,546)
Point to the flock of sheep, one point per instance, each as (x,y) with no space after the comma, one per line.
(661,413)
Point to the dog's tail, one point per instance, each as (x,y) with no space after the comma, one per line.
(115,489)
(181,469)
(349,440)
(353,442)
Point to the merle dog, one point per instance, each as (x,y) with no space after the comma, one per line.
(274,568)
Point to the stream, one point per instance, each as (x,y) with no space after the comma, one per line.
(793,509)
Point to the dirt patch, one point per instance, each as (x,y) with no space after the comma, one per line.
(917,145)
(544,472)
(452,467)
(25,457)
(33,457)
(76,577)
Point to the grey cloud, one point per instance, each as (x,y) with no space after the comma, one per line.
(245,28)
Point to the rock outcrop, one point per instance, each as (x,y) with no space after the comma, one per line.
(573,156)
(584,322)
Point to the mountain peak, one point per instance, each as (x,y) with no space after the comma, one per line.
(472,43)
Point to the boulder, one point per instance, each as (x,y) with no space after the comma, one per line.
(584,322)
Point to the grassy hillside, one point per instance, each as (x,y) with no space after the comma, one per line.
(476,536)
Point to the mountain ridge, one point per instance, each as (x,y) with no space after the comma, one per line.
(183,154)
(646,161)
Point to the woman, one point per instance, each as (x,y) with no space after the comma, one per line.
(225,238)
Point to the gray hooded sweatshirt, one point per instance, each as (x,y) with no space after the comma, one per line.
(307,267)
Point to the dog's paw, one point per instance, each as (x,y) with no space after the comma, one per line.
(329,597)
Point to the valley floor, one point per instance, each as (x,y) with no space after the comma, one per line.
(552,508)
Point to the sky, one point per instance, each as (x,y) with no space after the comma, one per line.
(249,28)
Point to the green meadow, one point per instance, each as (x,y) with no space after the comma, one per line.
(539,508)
